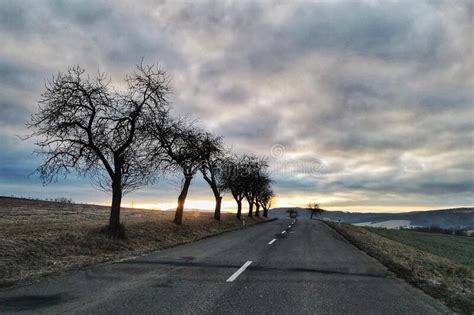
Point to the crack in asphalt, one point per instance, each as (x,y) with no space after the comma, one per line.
(257,268)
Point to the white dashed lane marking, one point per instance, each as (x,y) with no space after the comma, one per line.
(238,272)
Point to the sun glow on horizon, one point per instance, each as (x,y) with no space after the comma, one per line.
(227,205)
(328,203)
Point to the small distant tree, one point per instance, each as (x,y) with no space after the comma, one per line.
(292,213)
(84,125)
(62,200)
(314,208)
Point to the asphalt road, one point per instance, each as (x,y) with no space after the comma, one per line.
(308,269)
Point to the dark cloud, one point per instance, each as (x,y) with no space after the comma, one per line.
(360,28)
(13,113)
(18,76)
(251,123)
(83,13)
(12,17)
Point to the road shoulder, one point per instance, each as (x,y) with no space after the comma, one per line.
(438,277)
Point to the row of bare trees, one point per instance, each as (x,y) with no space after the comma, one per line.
(127,139)
(246,178)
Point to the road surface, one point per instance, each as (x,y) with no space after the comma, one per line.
(279,267)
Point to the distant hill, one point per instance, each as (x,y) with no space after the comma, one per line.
(456,218)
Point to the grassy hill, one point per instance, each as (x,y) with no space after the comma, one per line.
(459,249)
(455,218)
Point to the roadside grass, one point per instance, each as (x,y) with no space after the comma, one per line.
(39,238)
(440,277)
(458,249)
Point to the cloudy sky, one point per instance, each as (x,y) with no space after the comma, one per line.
(361,105)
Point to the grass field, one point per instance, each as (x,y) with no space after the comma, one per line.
(39,237)
(414,258)
(458,249)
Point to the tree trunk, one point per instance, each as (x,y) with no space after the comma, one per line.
(257,210)
(250,209)
(114,221)
(217,210)
(215,190)
(178,217)
(239,209)
(265,212)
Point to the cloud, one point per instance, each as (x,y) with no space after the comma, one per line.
(17,76)
(380,93)
(12,113)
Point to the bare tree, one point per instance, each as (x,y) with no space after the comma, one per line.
(265,198)
(314,208)
(211,166)
(84,125)
(182,143)
(255,178)
(292,213)
(231,178)
(263,193)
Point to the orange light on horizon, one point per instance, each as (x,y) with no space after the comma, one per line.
(198,204)
(344,202)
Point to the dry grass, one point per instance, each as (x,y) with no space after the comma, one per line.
(440,277)
(39,238)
